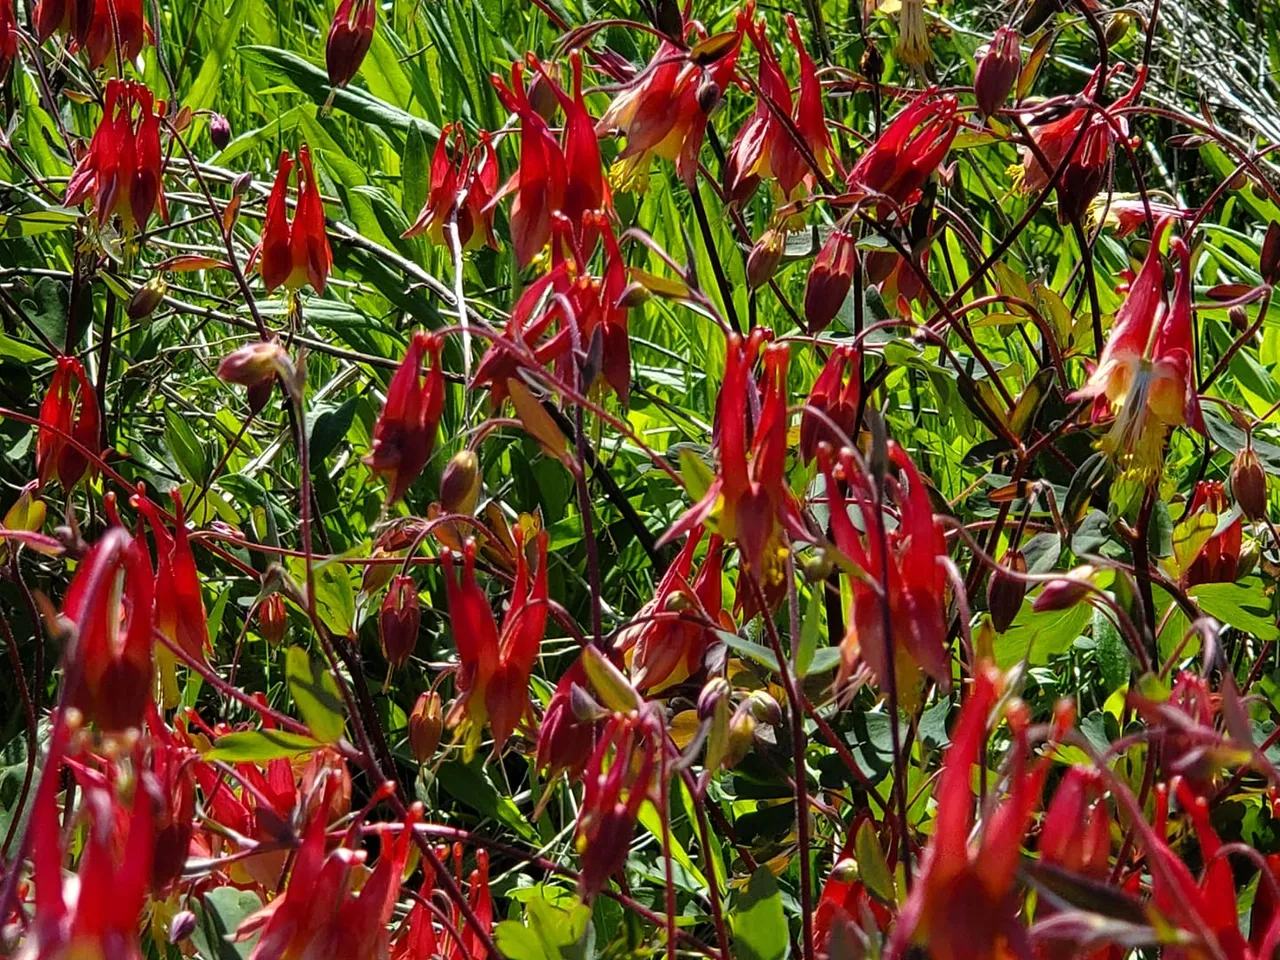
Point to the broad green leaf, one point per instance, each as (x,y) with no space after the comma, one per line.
(1240,605)
(757,920)
(258,746)
(315,694)
(218,913)
(470,785)
(1038,636)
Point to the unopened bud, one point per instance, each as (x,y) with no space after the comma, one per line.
(636,294)
(273,619)
(764,708)
(255,363)
(542,95)
(584,706)
(997,71)
(1065,591)
(1249,554)
(220,131)
(1005,591)
(350,36)
(1239,317)
(1249,484)
(1117,27)
(709,96)
(425,725)
(240,185)
(460,483)
(182,926)
(764,258)
(845,871)
(829,280)
(714,692)
(742,732)
(398,621)
(1269,258)
(818,566)
(146,298)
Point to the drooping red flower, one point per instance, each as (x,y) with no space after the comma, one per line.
(1184,725)
(1218,560)
(295,253)
(666,651)
(493,681)
(93,25)
(566,741)
(539,181)
(835,394)
(911,147)
(122,170)
(8,38)
(964,904)
(453,170)
(664,109)
(1146,373)
(350,36)
(845,900)
(457,940)
(540,327)
(750,501)
(997,71)
(764,149)
(113,624)
(70,408)
(619,778)
(179,607)
(398,621)
(585,189)
(1084,174)
(1125,215)
(94,913)
(405,433)
(917,580)
(830,279)
(170,763)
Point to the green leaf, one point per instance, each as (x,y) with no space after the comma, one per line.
(553,931)
(470,786)
(1240,605)
(649,819)
(218,913)
(415,173)
(758,923)
(327,425)
(257,746)
(1112,653)
(204,92)
(697,476)
(761,655)
(1039,636)
(335,597)
(185,446)
(873,868)
(11,349)
(809,630)
(315,693)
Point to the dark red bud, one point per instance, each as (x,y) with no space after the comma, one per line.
(829,280)
(764,258)
(997,71)
(1005,592)
(1249,484)
(272,619)
(398,621)
(1269,258)
(426,723)
(220,131)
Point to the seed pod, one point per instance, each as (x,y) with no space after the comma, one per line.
(997,71)
(425,725)
(398,621)
(764,258)
(1005,592)
(220,131)
(146,298)
(460,483)
(1066,591)
(1249,484)
(273,620)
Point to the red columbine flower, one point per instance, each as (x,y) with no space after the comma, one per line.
(997,71)
(663,111)
(67,411)
(8,38)
(565,740)
(169,762)
(917,580)
(585,189)
(122,169)
(897,165)
(749,500)
(539,326)
(619,779)
(405,432)
(764,148)
(539,181)
(964,903)
(830,279)
(845,900)
(1218,560)
(349,38)
(295,253)
(113,625)
(1084,173)
(900,285)
(95,914)
(112,18)
(418,939)
(179,606)
(1126,214)
(398,621)
(669,649)
(454,170)
(1145,375)
(835,393)
(1184,726)
(493,681)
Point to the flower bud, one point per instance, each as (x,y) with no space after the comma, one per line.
(255,363)
(460,483)
(1249,484)
(272,619)
(636,294)
(709,95)
(146,298)
(764,258)
(1117,27)
(997,71)
(764,708)
(1239,317)
(1269,257)
(1065,591)
(220,131)
(182,926)
(398,621)
(714,691)
(240,185)
(349,38)
(742,733)
(425,725)
(542,94)
(829,280)
(1005,592)
(818,566)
